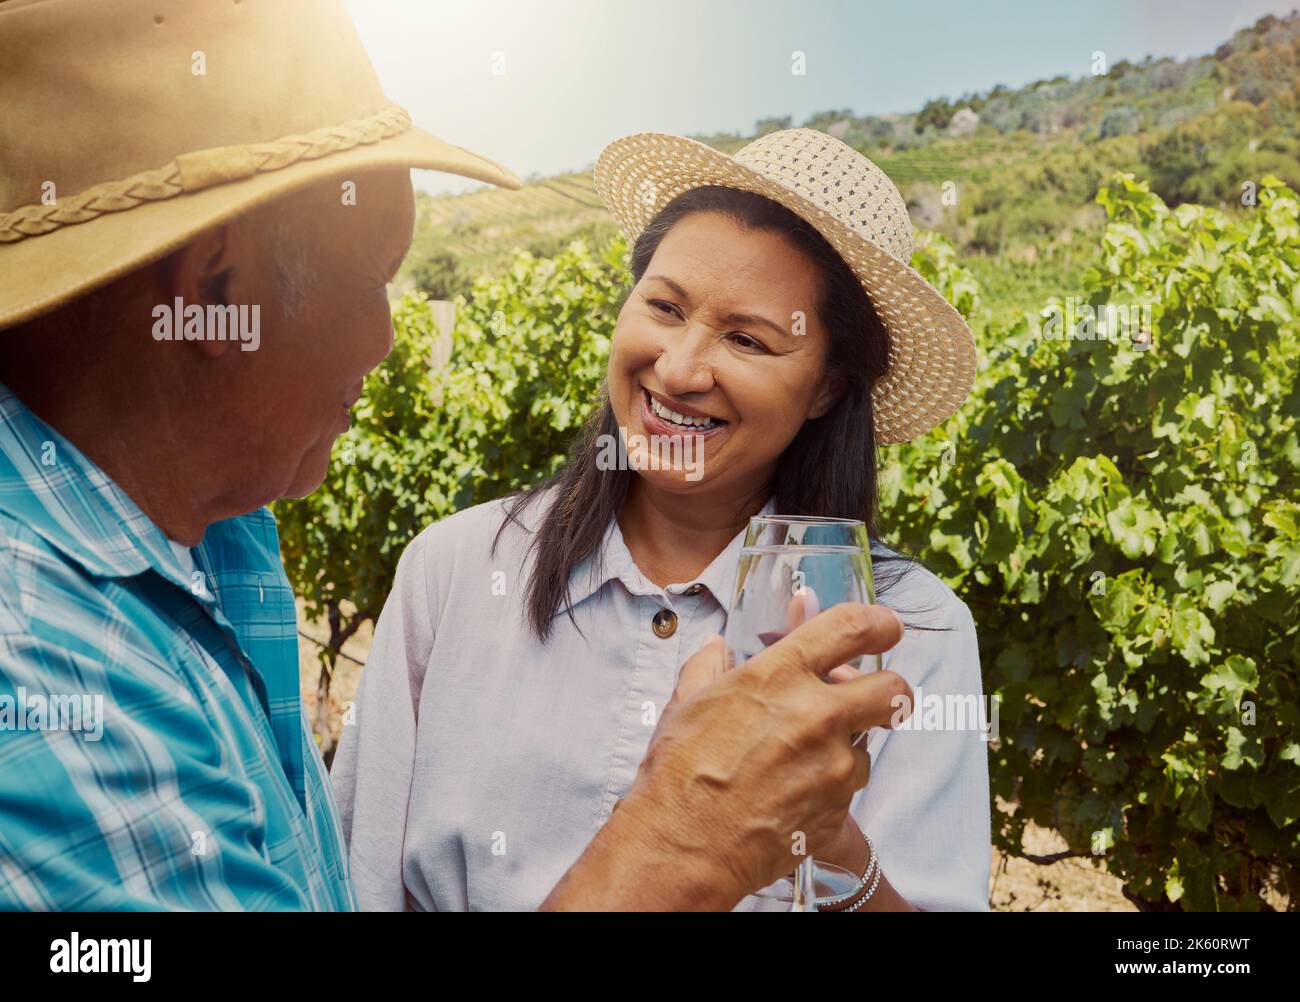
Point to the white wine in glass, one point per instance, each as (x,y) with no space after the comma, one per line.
(791,568)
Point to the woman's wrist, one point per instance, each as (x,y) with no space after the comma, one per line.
(868,877)
(849,851)
(874,892)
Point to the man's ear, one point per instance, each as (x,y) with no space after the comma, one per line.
(199,274)
(832,389)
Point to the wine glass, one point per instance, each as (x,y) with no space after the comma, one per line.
(830,883)
(791,568)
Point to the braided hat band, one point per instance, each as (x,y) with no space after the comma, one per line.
(191,172)
(137,125)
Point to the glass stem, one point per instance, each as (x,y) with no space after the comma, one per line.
(805,887)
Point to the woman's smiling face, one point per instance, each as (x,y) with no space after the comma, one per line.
(722,329)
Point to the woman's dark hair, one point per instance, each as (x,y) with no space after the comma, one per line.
(828,469)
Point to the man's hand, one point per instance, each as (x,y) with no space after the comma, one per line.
(743,761)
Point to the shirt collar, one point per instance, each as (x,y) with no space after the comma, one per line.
(612,561)
(52,488)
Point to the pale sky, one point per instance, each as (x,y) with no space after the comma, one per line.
(578,74)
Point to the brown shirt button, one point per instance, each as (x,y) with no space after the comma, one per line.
(664,623)
(694,589)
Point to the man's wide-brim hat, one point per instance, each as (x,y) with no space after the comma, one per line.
(128,127)
(850,201)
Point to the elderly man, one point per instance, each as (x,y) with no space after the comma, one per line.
(194,287)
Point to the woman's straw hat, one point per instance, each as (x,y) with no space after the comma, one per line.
(851,202)
(127,128)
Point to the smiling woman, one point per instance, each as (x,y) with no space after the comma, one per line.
(533,642)
(790,406)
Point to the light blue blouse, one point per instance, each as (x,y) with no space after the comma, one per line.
(480,763)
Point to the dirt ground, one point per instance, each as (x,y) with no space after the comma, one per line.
(1015,885)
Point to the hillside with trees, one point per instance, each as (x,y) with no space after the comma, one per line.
(1008,177)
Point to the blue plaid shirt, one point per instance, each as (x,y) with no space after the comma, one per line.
(153,748)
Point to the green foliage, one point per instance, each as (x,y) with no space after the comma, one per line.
(1125,525)
(934,115)
(766,125)
(527,366)
(1207,159)
(597,233)
(1118,122)
(429,265)
(437,274)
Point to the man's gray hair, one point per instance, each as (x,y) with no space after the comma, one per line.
(288,244)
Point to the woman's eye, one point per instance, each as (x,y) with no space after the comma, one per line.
(660,306)
(741,340)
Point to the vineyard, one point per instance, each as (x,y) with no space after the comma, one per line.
(1122,518)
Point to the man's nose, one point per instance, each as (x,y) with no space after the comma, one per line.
(685,364)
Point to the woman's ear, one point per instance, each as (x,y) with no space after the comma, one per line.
(832,389)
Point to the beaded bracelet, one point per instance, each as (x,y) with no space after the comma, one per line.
(866,897)
(873,866)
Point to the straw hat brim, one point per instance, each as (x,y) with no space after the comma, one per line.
(932,356)
(44,271)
